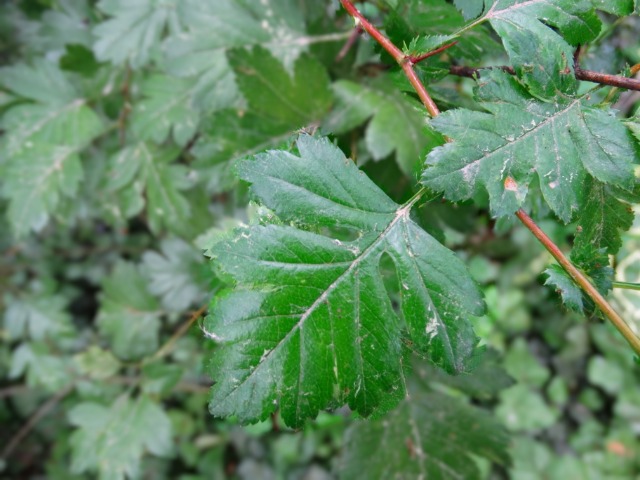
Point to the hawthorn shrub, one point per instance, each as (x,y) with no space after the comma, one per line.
(340,226)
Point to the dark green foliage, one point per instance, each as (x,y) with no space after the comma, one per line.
(165,161)
(373,446)
(314,308)
(520,138)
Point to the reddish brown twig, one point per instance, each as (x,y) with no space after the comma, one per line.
(418,58)
(578,277)
(349,43)
(470,72)
(582,281)
(403,60)
(607,79)
(41,412)
(125,91)
(184,328)
(586,75)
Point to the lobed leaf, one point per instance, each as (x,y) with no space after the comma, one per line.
(36,179)
(564,286)
(214,26)
(310,321)
(396,122)
(540,35)
(51,111)
(520,138)
(44,135)
(133,31)
(600,226)
(426,436)
(594,262)
(603,219)
(66,25)
(142,168)
(176,274)
(112,440)
(41,367)
(278,104)
(166,109)
(38,316)
(129,314)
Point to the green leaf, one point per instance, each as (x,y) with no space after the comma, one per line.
(397,123)
(310,320)
(38,316)
(214,26)
(562,144)
(426,436)
(606,374)
(427,44)
(166,109)
(616,7)
(600,225)
(469,8)
(141,168)
(524,409)
(594,263)
(133,31)
(278,105)
(96,363)
(159,379)
(67,24)
(35,180)
(523,366)
(129,314)
(42,369)
(417,18)
(176,275)
(602,219)
(271,91)
(563,284)
(229,136)
(55,113)
(80,59)
(112,440)
(539,36)
(44,135)
(484,381)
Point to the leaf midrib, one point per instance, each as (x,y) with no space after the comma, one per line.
(525,135)
(401,213)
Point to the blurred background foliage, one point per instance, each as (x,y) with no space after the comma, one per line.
(120,124)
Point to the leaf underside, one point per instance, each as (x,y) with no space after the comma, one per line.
(310,323)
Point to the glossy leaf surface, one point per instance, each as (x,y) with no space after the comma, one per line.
(310,322)
(562,144)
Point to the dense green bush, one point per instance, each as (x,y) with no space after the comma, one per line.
(374,308)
